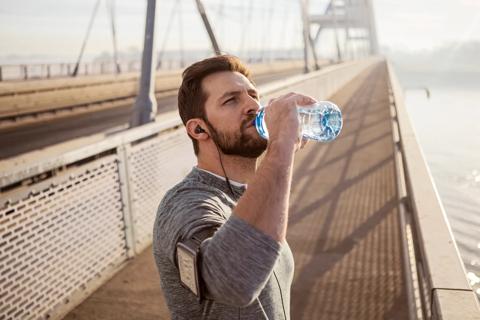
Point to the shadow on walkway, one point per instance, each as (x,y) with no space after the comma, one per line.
(343,227)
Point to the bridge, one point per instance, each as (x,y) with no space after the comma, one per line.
(80,186)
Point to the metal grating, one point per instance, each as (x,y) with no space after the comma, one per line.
(154,166)
(60,237)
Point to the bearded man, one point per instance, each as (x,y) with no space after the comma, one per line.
(220,234)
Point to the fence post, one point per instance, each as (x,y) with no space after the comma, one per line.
(1,76)
(48,71)
(125,189)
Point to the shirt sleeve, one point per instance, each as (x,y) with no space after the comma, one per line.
(236,262)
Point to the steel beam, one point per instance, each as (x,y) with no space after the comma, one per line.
(145,107)
(308,43)
(203,14)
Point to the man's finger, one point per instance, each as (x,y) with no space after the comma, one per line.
(271,101)
(303,100)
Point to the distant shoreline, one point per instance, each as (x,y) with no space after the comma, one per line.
(457,79)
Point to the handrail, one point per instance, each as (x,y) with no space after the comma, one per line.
(33,98)
(36,71)
(24,71)
(443,285)
(39,85)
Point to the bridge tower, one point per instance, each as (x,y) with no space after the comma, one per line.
(354,19)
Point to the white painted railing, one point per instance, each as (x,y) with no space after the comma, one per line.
(436,279)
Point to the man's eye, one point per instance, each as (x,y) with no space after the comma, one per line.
(229,100)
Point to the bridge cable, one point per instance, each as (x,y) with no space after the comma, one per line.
(285,23)
(247,28)
(180,38)
(346,43)
(267,28)
(167,33)
(335,26)
(294,31)
(221,18)
(111,9)
(90,24)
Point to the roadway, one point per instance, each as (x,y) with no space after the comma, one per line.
(18,140)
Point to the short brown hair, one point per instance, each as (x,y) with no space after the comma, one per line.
(191,98)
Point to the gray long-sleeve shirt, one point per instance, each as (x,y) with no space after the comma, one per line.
(240,264)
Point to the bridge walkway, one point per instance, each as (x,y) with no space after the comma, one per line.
(343,228)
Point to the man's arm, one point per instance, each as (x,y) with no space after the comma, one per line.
(238,260)
(265,203)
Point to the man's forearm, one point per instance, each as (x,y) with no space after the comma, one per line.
(265,203)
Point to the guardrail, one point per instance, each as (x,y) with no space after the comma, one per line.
(9,72)
(30,100)
(436,281)
(70,219)
(23,71)
(40,85)
(16,72)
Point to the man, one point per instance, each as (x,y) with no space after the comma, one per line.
(245,264)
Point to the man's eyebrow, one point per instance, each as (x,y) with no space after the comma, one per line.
(236,92)
(229,93)
(252,90)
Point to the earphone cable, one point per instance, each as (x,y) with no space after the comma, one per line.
(281,295)
(224,172)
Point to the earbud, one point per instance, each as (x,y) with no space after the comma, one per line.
(199,129)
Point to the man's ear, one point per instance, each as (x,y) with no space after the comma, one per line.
(196,129)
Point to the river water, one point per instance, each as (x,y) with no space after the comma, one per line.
(448,128)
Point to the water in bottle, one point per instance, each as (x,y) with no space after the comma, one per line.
(321,121)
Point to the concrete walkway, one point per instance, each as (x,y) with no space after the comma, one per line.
(343,228)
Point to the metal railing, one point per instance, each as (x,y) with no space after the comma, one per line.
(9,72)
(16,72)
(70,219)
(24,71)
(36,101)
(436,281)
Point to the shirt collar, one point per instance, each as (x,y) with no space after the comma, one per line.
(218,182)
(232,182)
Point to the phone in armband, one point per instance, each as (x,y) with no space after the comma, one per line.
(188,259)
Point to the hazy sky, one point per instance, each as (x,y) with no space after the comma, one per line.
(423,24)
(56,28)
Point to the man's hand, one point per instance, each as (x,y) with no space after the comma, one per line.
(266,201)
(281,118)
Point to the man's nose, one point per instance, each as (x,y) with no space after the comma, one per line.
(252,106)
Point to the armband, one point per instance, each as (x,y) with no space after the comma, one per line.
(189,262)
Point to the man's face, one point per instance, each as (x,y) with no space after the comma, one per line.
(231,106)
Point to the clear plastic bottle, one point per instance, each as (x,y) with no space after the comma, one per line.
(321,121)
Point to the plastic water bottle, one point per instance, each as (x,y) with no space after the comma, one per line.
(321,121)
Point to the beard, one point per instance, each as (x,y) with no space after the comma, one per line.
(240,143)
